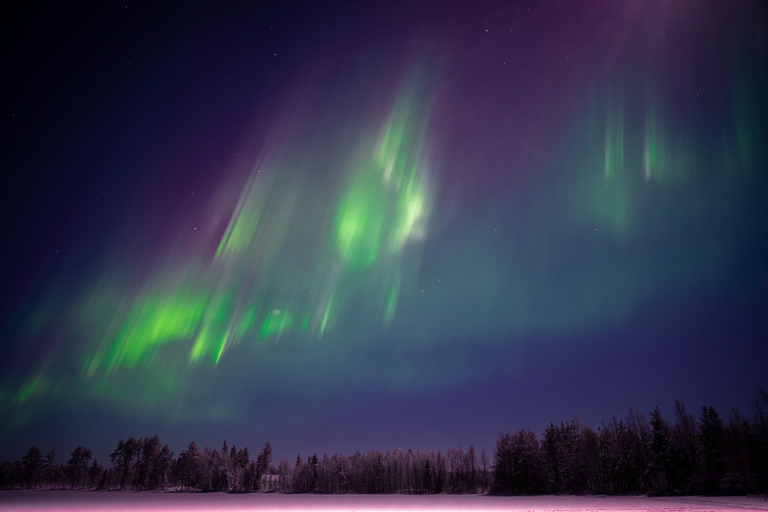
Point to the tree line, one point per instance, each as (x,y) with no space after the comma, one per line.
(142,464)
(690,455)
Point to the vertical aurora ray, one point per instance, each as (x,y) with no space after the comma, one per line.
(652,151)
(666,155)
(612,206)
(614,142)
(744,136)
(640,143)
(386,202)
(392,301)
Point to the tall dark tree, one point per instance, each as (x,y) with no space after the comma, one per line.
(471,468)
(551,447)
(51,469)
(662,463)
(298,474)
(118,460)
(94,474)
(484,466)
(686,450)
(121,459)
(188,467)
(77,466)
(150,451)
(737,478)
(313,463)
(590,459)
(263,461)
(427,477)
(378,473)
(502,465)
(711,440)
(33,466)
(440,472)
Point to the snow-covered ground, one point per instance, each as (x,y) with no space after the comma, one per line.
(127,500)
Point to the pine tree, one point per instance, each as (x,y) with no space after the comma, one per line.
(298,470)
(663,461)
(711,439)
(77,466)
(118,460)
(502,466)
(685,443)
(188,467)
(50,467)
(262,463)
(33,466)
(551,448)
(484,468)
(94,473)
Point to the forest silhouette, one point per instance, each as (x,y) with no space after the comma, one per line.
(689,455)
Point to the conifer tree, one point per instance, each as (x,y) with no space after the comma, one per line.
(711,439)
(33,466)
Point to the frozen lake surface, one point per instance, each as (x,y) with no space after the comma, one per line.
(129,500)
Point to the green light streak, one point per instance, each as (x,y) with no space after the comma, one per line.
(748,123)
(29,389)
(614,145)
(246,323)
(650,153)
(394,291)
(241,230)
(386,202)
(326,315)
(203,340)
(611,201)
(413,208)
(155,321)
(222,343)
(306,254)
(214,334)
(360,222)
(665,157)
(276,322)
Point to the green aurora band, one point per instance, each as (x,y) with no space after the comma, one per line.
(284,266)
(322,252)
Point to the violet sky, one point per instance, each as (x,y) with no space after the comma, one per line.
(341,226)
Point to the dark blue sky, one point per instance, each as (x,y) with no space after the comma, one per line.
(341,227)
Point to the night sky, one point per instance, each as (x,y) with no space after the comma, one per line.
(341,226)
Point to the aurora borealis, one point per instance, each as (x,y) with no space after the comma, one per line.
(341,227)
(267,276)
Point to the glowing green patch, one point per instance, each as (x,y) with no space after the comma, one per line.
(215,330)
(410,213)
(385,204)
(360,221)
(222,342)
(28,389)
(156,321)
(246,322)
(394,291)
(277,321)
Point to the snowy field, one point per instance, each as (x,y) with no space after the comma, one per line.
(128,500)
